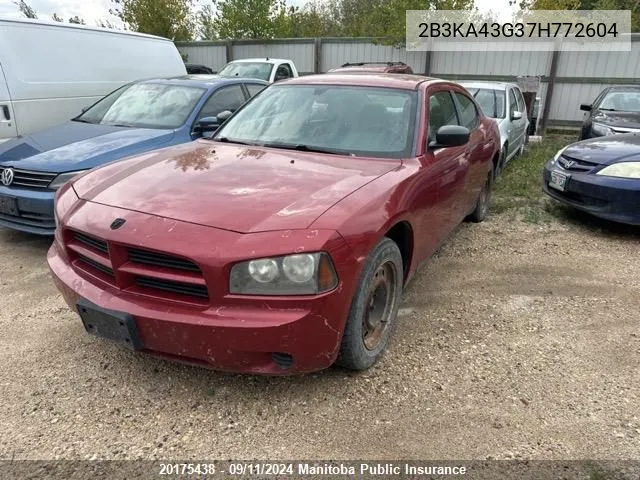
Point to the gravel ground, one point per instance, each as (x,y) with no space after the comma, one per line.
(514,341)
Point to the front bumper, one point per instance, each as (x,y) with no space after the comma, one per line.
(231,333)
(35,211)
(610,198)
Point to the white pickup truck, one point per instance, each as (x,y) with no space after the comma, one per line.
(269,69)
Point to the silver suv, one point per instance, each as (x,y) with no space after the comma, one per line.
(505,103)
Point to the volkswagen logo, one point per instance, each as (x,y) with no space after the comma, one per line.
(6,177)
(569,164)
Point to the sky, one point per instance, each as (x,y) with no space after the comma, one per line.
(94,10)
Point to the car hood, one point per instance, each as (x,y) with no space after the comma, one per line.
(232,187)
(605,150)
(78,146)
(617,119)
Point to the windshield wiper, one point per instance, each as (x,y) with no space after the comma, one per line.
(228,140)
(303,148)
(609,109)
(82,121)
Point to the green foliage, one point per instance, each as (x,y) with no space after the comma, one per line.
(249,18)
(77,20)
(633,5)
(56,18)
(172,19)
(26,9)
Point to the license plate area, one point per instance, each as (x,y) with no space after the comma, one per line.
(8,206)
(558,180)
(119,327)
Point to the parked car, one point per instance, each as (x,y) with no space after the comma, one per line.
(194,69)
(269,69)
(50,70)
(283,242)
(600,176)
(616,110)
(374,67)
(134,119)
(505,103)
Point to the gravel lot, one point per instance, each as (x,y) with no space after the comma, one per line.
(516,340)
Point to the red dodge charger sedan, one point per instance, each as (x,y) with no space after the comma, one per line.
(280,244)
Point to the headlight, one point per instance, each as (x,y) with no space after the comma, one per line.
(600,129)
(623,170)
(63,178)
(298,274)
(555,159)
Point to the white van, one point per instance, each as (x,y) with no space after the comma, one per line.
(50,71)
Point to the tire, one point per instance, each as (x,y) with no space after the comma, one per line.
(482,204)
(497,171)
(374,309)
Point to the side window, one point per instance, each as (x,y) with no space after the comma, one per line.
(442,111)
(226,98)
(283,71)
(254,88)
(468,113)
(513,103)
(521,102)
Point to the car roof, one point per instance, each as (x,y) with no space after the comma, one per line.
(487,84)
(389,80)
(261,59)
(202,80)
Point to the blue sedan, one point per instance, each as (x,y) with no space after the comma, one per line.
(136,118)
(600,176)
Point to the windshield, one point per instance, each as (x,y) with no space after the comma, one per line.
(360,121)
(491,101)
(626,101)
(144,105)
(261,70)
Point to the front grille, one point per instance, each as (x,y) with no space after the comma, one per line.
(136,270)
(32,179)
(147,257)
(180,288)
(98,266)
(94,243)
(575,164)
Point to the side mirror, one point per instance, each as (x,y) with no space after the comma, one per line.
(517,115)
(224,116)
(585,107)
(206,124)
(451,136)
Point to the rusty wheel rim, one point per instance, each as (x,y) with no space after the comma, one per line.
(381,298)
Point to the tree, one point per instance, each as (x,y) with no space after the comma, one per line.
(633,5)
(248,18)
(171,19)
(77,20)
(56,18)
(26,9)
(205,23)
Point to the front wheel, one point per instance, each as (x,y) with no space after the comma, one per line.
(374,308)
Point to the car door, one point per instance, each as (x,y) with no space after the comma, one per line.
(441,177)
(523,123)
(512,131)
(8,128)
(472,168)
(230,97)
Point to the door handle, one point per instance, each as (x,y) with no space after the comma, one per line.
(5,111)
